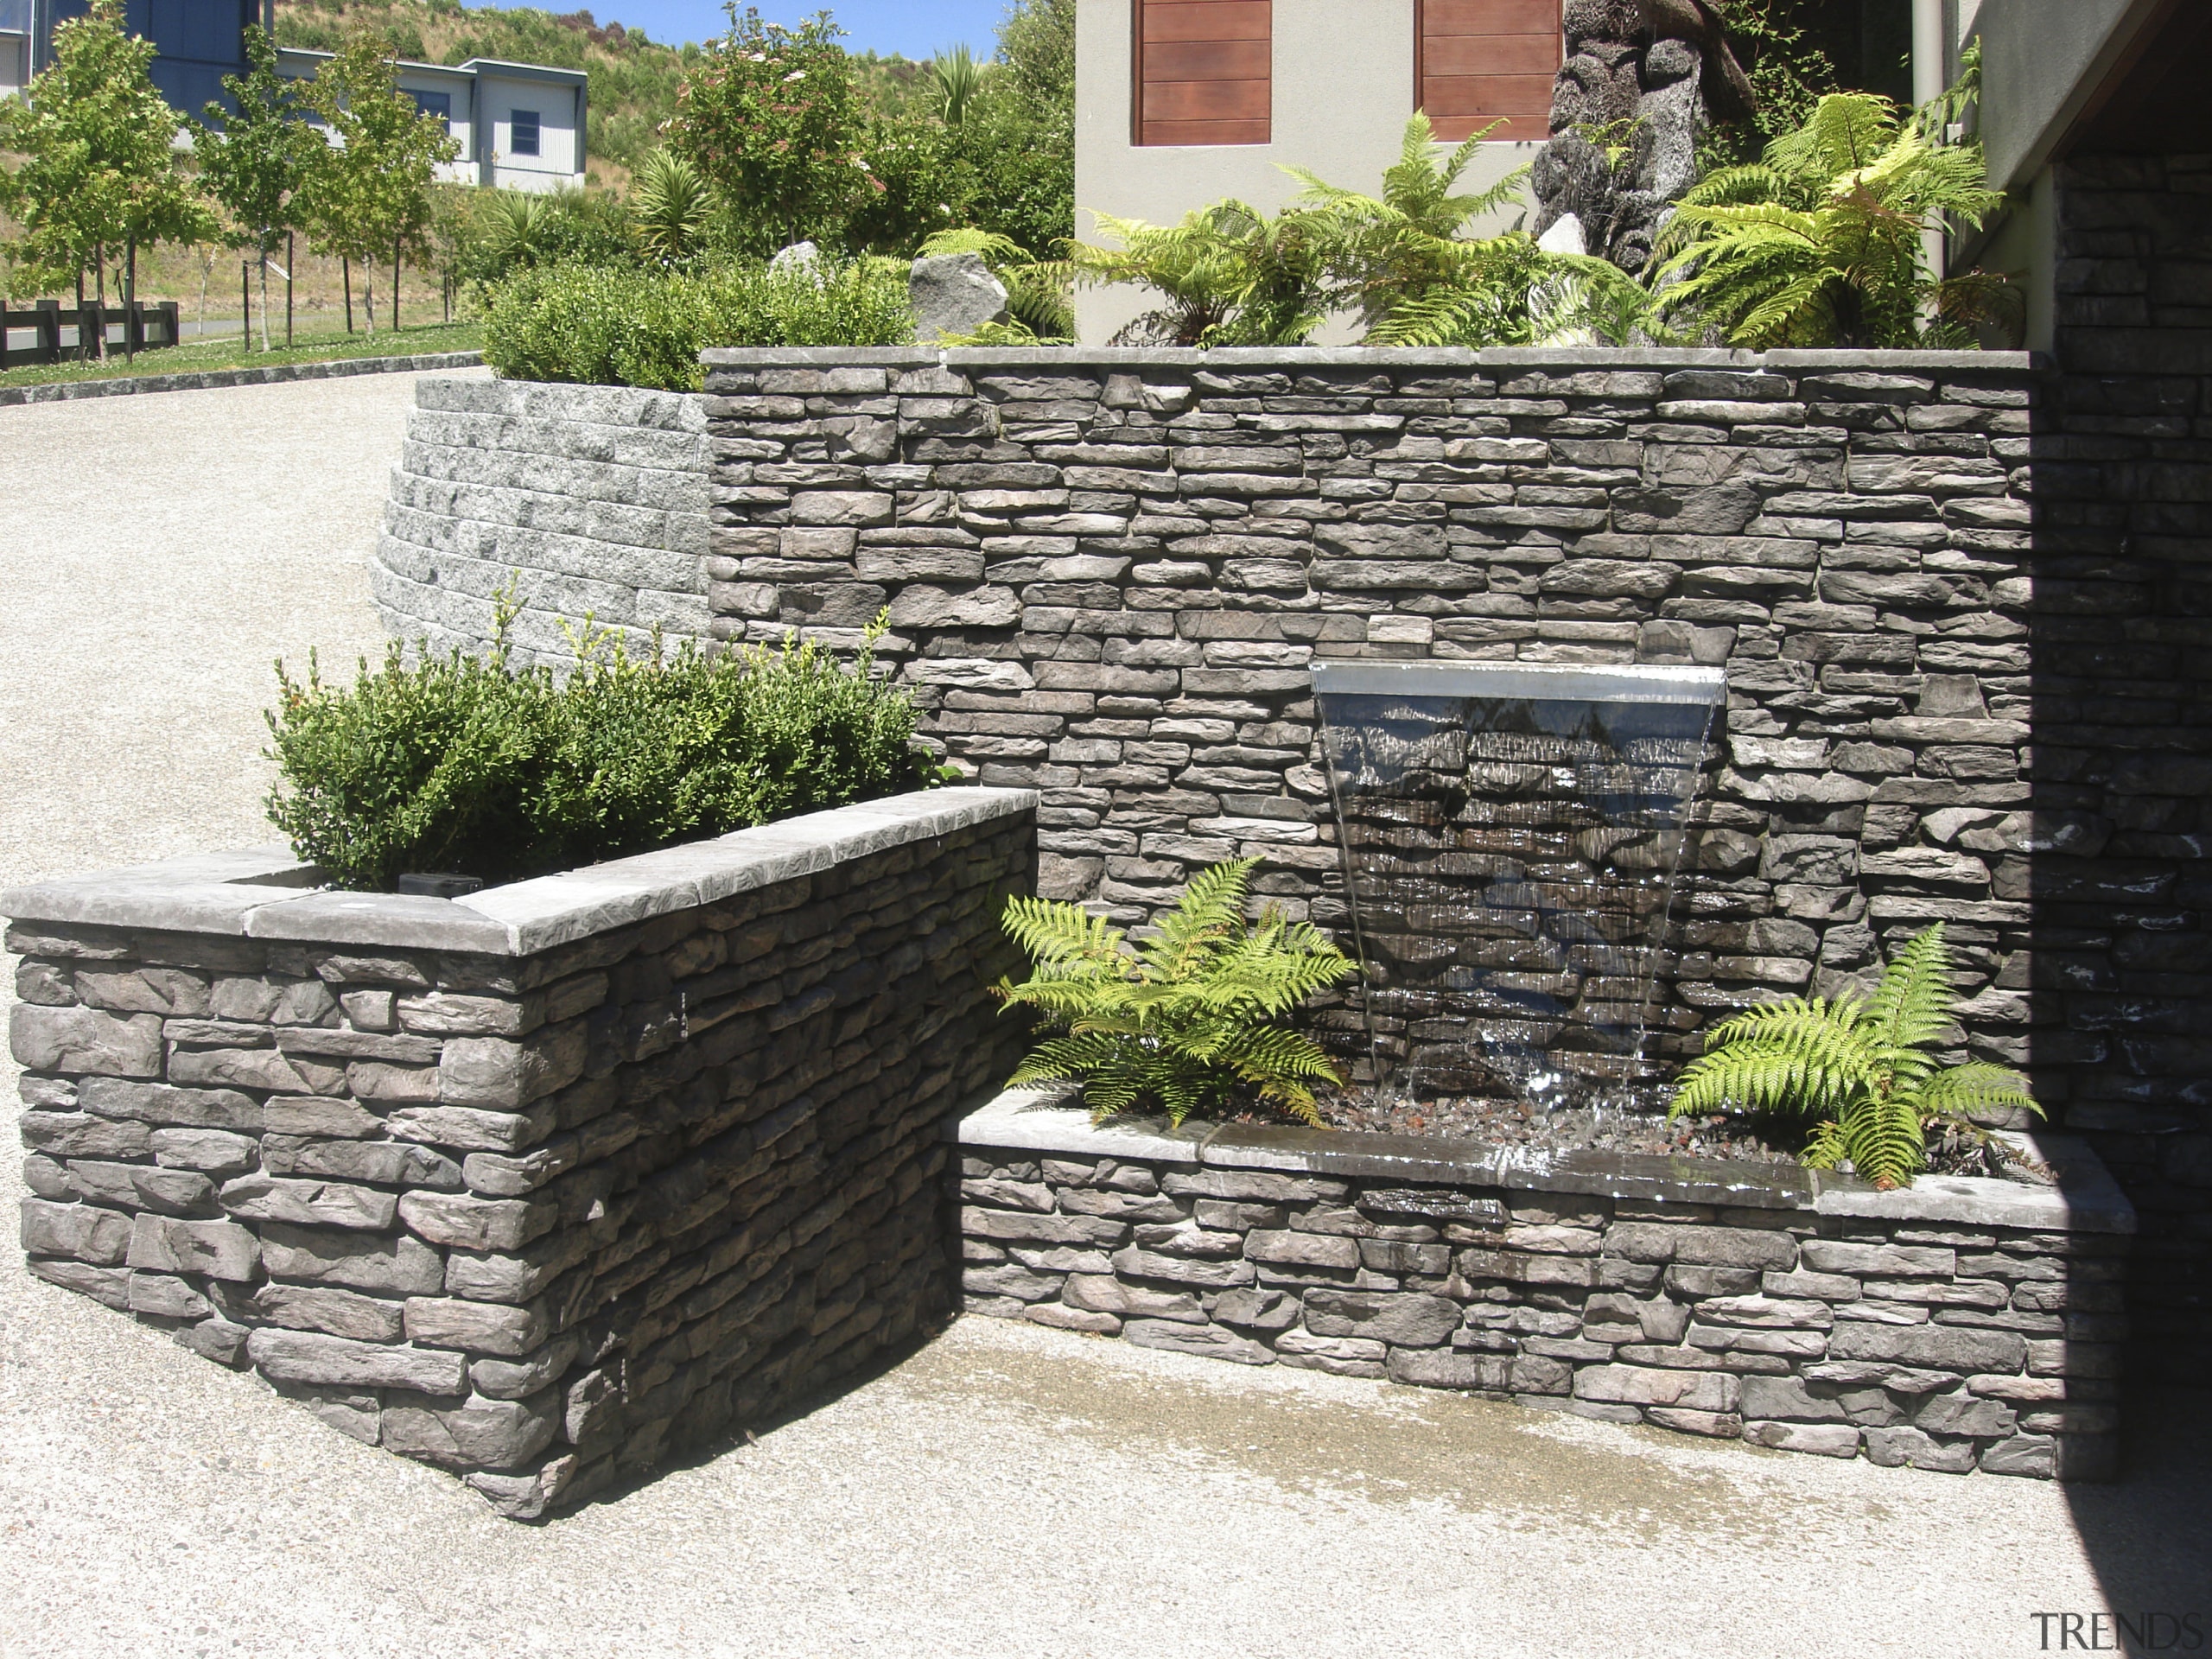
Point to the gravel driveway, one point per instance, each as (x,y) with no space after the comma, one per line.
(1007,1490)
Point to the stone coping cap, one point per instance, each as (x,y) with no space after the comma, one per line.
(2086,1200)
(265,892)
(1292,357)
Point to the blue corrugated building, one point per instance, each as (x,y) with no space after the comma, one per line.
(198,42)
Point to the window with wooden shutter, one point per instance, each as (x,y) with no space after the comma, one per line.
(1484,60)
(1205,71)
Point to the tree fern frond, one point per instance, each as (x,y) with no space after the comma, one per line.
(1061,935)
(1863,1067)
(1976,1086)
(1186,1017)
(1911,1006)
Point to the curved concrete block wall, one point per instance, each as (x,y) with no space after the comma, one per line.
(588,501)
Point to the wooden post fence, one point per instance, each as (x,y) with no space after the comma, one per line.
(145,325)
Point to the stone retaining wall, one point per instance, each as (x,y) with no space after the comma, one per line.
(540,1184)
(2122,696)
(1956,600)
(581,501)
(1963,1324)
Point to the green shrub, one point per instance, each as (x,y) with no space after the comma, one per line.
(646,328)
(1861,1066)
(1187,1021)
(456,764)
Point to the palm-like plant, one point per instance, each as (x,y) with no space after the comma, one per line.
(1820,243)
(1861,1063)
(959,80)
(1227,274)
(1404,254)
(670,204)
(1188,1019)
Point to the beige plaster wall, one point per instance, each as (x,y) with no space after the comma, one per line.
(1343,81)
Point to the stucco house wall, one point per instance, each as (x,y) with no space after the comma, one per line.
(1343,92)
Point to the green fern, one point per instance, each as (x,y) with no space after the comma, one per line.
(1186,1020)
(1859,1065)
(1227,275)
(1820,242)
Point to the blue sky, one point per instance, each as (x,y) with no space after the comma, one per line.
(916,27)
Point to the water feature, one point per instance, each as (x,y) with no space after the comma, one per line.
(1511,835)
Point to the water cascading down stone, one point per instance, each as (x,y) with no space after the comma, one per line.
(1511,833)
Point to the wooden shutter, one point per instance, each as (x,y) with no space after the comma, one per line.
(1205,71)
(1485,60)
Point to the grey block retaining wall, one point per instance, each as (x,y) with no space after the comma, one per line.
(537,1186)
(1966,1325)
(582,502)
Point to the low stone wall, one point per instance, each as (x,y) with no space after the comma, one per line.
(538,1185)
(581,501)
(1957,1325)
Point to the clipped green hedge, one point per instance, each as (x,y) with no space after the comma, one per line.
(602,326)
(456,765)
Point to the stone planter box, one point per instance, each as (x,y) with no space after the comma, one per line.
(540,1184)
(1959,1325)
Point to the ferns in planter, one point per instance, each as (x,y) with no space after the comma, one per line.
(1861,1064)
(1184,1021)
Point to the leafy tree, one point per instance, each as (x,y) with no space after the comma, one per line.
(1037,46)
(1821,242)
(366,196)
(772,120)
(1187,1021)
(254,158)
(1862,1066)
(101,175)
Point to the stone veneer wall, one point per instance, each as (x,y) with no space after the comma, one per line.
(538,1185)
(2122,693)
(581,500)
(1107,572)
(1963,1324)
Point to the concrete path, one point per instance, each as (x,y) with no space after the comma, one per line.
(1006,1489)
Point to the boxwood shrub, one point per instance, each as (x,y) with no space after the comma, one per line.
(458,765)
(610,326)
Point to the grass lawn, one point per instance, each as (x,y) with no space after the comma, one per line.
(195,356)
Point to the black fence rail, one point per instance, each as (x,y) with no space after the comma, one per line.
(50,332)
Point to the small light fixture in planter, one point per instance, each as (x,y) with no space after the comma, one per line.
(433,885)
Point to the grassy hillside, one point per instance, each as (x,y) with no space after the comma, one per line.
(633,78)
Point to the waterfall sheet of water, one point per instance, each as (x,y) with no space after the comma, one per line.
(1511,834)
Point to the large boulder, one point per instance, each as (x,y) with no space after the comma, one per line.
(801,259)
(954,294)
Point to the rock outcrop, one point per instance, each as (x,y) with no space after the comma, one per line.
(1642,78)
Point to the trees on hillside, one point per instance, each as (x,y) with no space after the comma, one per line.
(366,197)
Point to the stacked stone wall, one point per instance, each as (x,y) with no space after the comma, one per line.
(1108,578)
(538,1218)
(2122,694)
(1959,600)
(1943,1345)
